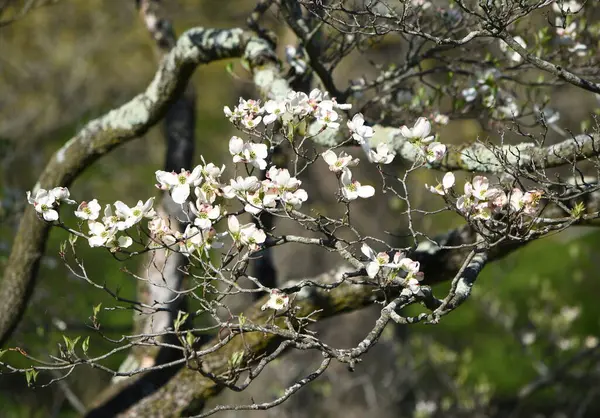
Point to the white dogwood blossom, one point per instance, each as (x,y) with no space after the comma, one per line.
(131,216)
(360,132)
(382,154)
(88,210)
(352,190)
(447,183)
(248,152)
(337,164)
(179,184)
(278,301)
(419,133)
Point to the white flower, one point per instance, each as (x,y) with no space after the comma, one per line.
(480,187)
(419,132)
(469,94)
(211,171)
(413,287)
(381,155)
(513,55)
(376,261)
(482,211)
(352,190)
(133,215)
(62,194)
(278,301)
(251,122)
(109,218)
(409,266)
(441,119)
(240,187)
(256,202)
(298,105)
(447,182)
(179,184)
(497,198)
(435,152)
(282,179)
(423,4)
(205,214)
(252,236)
(248,234)
(295,199)
(249,152)
(88,210)
(275,109)
(191,240)
(43,202)
(360,132)
(327,116)
(566,34)
(100,234)
(337,164)
(566,6)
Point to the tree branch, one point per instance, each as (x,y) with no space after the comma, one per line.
(100,136)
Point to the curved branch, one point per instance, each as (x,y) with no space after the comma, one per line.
(196,46)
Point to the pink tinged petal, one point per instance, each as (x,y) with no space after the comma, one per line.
(468,188)
(480,182)
(180,193)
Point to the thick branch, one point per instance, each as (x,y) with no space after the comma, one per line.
(478,157)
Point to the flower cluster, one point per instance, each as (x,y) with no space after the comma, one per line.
(248,152)
(351,189)
(399,263)
(295,107)
(45,202)
(279,186)
(419,136)
(480,200)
